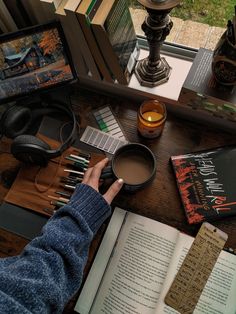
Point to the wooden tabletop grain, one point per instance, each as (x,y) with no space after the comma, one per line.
(160,200)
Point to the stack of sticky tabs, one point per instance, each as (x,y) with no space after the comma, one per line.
(108,123)
(101,140)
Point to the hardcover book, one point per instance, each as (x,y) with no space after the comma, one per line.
(206,183)
(36,12)
(7,24)
(114,31)
(86,9)
(17,12)
(81,54)
(202,92)
(136,264)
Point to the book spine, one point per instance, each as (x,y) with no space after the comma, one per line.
(78,42)
(72,37)
(89,37)
(108,53)
(121,32)
(17,12)
(35,11)
(7,22)
(48,9)
(56,3)
(118,41)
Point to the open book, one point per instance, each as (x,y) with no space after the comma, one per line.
(136,264)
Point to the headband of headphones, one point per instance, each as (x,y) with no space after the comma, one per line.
(28,148)
(52,153)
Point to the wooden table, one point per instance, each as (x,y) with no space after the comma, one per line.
(160,200)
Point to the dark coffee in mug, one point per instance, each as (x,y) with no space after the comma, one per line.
(132,169)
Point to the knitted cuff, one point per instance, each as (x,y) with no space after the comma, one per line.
(91,205)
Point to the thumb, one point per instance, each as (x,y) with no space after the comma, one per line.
(113,190)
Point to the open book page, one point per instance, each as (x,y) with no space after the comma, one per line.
(89,291)
(134,277)
(218,296)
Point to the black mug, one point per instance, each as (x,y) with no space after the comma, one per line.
(135,164)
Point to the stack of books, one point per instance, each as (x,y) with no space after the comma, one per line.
(100,35)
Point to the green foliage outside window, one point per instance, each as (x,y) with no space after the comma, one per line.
(212,12)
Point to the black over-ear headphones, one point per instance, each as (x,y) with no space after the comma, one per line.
(15,123)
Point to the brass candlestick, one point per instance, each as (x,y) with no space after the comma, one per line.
(154,70)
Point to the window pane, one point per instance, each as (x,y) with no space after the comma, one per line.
(198,23)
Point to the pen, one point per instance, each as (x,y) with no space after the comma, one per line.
(67,179)
(62,199)
(85,155)
(71,180)
(82,162)
(49,211)
(74,171)
(63,193)
(68,186)
(78,164)
(79,158)
(75,178)
(57,203)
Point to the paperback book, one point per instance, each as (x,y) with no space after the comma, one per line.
(202,92)
(135,267)
(206,182)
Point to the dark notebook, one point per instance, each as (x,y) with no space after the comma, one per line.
(206,182)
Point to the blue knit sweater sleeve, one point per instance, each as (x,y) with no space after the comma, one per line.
(49,271)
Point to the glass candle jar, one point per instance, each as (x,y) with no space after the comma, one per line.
(151,118)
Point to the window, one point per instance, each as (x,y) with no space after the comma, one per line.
(196,23)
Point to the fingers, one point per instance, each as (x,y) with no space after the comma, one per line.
(87,175)
(92,175)
(96,172)
(113,190)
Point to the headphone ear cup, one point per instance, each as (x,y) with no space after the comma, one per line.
(30,149)
(16,121)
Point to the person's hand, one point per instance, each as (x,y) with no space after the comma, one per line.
(92,176)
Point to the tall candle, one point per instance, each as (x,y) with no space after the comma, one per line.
(151,118)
